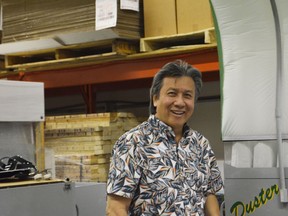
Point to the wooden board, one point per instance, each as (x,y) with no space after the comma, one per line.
(103,58)
(27,183)
(100,49)
(206,36)
(39,146)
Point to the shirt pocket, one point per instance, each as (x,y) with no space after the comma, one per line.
(196,179)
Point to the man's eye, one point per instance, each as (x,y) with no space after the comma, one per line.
(171,93)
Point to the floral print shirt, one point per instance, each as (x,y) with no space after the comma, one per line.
(163,177)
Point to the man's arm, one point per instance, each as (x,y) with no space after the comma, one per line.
(117,205)
(212,206)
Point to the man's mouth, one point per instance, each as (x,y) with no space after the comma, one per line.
(179,113)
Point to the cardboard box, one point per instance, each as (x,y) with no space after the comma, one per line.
(193,15)
(170,17)
(160,18)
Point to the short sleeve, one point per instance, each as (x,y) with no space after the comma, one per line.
(124,172)
(215,182)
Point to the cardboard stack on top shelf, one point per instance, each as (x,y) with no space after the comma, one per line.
(176,17)
(82,144)
(34,19)
(193,15)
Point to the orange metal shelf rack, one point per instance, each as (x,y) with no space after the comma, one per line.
(129,73)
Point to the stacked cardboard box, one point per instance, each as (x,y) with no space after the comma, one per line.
(176,17)
(82,144)
(193,15)
(34,19)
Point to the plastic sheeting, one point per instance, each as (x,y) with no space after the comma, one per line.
(248,55)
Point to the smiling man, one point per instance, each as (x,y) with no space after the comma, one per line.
(162,166)
(175,103)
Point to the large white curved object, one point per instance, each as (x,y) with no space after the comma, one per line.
(248,55)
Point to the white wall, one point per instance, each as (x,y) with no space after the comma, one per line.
(207,120)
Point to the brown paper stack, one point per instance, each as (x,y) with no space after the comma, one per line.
(34,19)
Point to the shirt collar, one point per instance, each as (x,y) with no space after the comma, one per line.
(163,127)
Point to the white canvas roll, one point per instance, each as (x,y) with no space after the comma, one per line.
(247,48)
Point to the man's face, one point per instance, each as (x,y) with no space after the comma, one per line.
(175,104)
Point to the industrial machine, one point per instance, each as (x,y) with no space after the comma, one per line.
(22,153)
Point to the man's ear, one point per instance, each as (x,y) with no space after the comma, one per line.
(155,100)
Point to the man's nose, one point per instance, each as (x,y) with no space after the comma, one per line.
(179,100)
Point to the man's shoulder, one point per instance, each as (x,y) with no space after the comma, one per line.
(140,129)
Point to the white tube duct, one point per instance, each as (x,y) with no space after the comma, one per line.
(279,104)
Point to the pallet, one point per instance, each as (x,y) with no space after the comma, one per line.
(102,50)
(206,36)
(72,56)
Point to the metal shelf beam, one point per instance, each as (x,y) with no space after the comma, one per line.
(128,70)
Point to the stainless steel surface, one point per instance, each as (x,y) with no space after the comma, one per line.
(91,199)
(38,200)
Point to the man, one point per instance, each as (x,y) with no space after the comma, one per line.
(162,166)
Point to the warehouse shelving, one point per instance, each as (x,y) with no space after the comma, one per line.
(131,71)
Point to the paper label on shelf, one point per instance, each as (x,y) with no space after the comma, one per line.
(106,14)
(129,5)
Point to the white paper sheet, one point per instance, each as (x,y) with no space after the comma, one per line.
(129,5)
(29,45)
(106,14)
